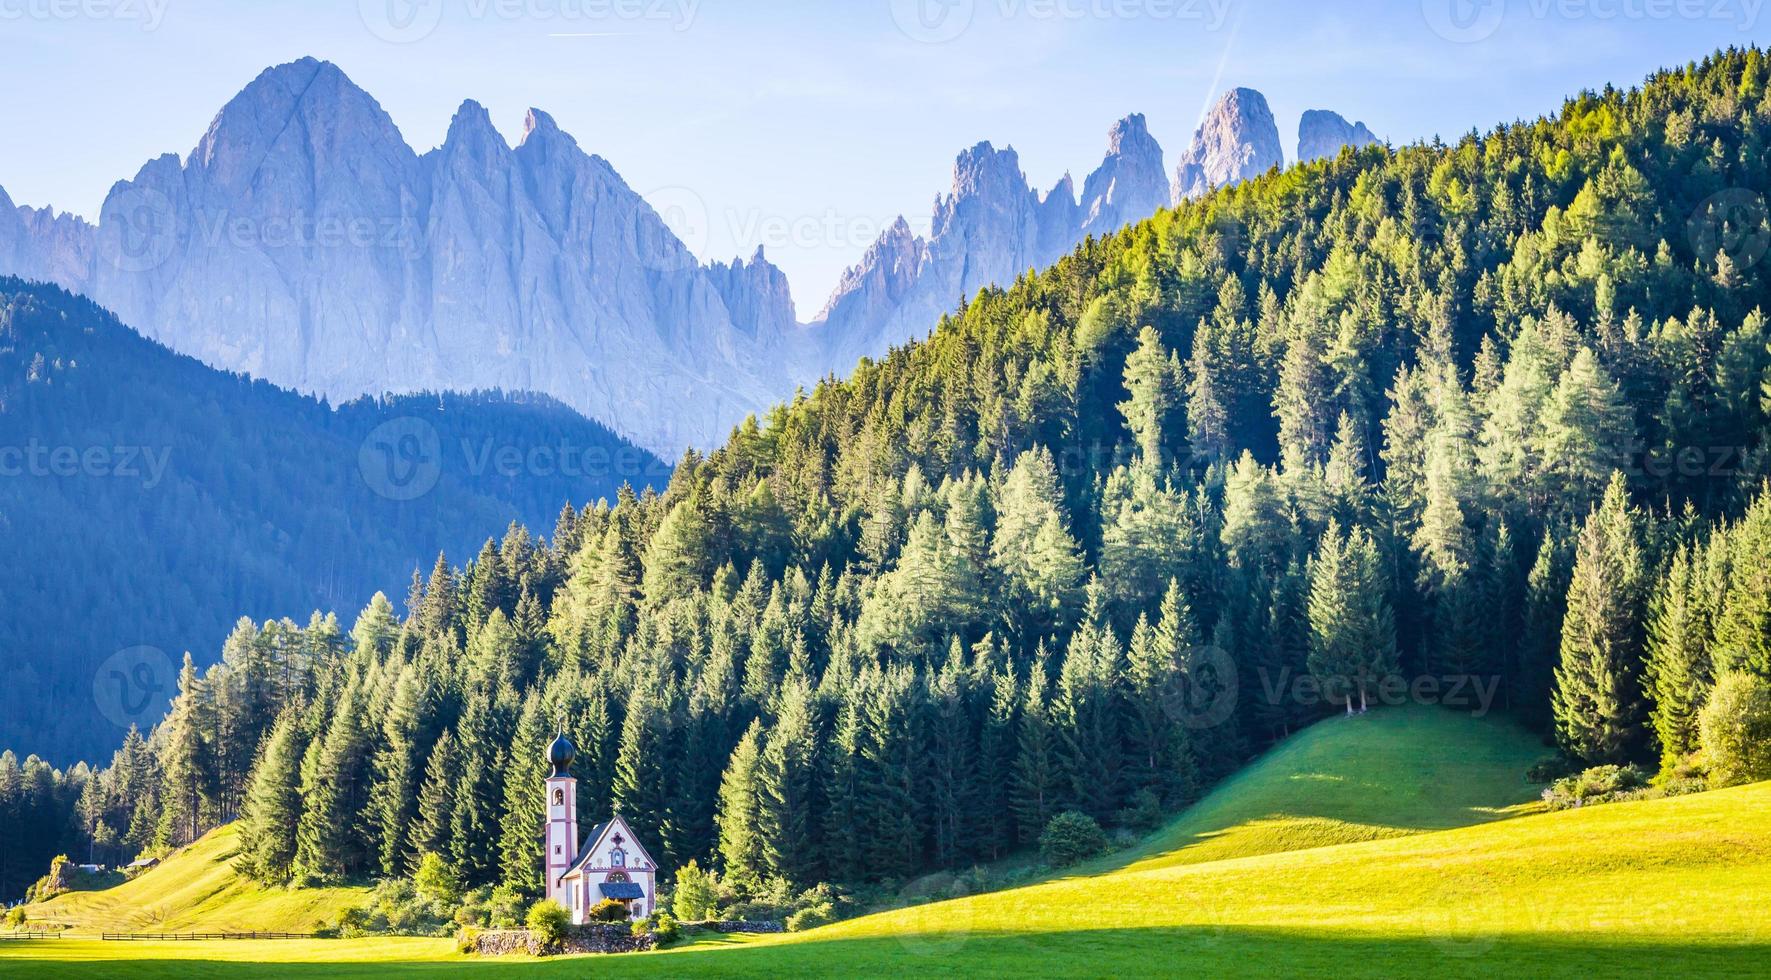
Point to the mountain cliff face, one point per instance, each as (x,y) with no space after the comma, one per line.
(1129,185)
(1237,140)
(989,228)
(1322,133)
(302,241)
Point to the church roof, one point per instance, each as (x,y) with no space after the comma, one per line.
(583,855)
(596,837)
(622,889)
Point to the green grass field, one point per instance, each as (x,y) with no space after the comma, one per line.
(1364,847)
(197,889)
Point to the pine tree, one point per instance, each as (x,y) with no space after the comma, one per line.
(996,767)
(642,763)
(399,768)
(1352,628)
(186,761)
(950,772)
(740,843)
(892,761)
(1743,628)
(1586,431)
(1678,670)
(520,839)
(436,802)
(1150,379)
(273,805)
(786,782)
(1035,795)
(841,785)
(1597,698)
(332,838)
(1087,713)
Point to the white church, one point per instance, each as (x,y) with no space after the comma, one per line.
(611,864)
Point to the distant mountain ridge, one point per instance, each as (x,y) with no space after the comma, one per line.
(302,241)
(197,496)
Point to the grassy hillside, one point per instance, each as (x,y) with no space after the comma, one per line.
(1383,774)
(197,889)
(1597,892)
(1325,856)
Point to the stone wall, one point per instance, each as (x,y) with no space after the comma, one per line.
(737,925)
(579,939)
(617,938)
(500,942)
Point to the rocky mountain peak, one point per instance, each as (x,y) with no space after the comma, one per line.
(303,106)
(1129,185)
(1322,133)
(539,125)
(1236,140)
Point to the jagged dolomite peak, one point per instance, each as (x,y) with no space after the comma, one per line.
(989,228)
(1237,140)
(304,242)
(1322,133)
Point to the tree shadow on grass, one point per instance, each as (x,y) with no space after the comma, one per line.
(1194,951)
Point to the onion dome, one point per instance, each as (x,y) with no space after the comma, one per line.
(559,755)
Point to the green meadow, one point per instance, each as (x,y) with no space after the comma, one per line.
(1399,840)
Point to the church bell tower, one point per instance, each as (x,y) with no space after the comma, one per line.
(562,818)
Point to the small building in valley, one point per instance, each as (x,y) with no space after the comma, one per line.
(610,864)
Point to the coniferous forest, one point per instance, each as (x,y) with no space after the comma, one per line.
(1480,423)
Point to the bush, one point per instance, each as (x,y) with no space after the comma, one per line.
(665,929)
(694,896)
(811,917)
(1600,784)
(547,921)
(1071,837)
(505,908)
(354,922)
(436,881)
(15,918)
(1142,812)
(1734,729)
(607,910)
(466,939)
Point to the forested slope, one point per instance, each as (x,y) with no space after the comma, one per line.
(146,499)
(1477,424)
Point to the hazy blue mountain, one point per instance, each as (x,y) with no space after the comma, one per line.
(148,500)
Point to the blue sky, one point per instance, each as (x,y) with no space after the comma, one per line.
(802,126)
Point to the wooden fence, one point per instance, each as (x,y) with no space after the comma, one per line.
(31,934)
(190,936)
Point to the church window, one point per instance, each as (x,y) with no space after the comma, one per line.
(618,858)
(559,796)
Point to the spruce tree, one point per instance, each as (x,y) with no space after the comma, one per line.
(273,805)
(1597,699)
(1352,627)
(1678,671)
(740,841)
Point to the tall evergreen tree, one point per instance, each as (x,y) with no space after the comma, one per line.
(1597,699)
